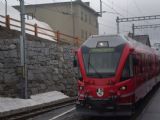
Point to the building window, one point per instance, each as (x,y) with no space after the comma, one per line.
(89,19)
(86,35)
(82,15)
(82,34)
(96,23)
(85,18)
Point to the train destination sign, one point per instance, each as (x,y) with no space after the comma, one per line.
(92,50)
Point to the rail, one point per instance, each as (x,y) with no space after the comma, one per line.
(38,31)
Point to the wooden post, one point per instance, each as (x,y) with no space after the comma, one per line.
(7,21)
(58,36)
(36,30)
(77,41)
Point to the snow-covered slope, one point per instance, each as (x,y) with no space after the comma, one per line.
(16,15)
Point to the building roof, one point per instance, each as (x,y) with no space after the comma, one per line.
(143,39)
(84,4)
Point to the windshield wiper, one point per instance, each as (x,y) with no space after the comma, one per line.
(89,64)
(109,74)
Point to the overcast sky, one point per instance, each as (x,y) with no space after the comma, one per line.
(121,8)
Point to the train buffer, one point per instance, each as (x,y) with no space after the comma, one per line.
(152,109)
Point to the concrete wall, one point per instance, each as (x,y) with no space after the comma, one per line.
(49,67)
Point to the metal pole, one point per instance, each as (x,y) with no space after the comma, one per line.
(100,8)
(71,7)
(73,21)
(133,30)
(117,20)
(24,62)
(6,8)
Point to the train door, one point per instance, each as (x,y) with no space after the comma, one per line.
(137,76)
(137,70)
(149,67)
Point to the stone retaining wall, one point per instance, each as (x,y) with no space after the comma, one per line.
(49,67)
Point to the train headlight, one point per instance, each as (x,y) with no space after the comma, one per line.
(102,44)
(123,88)
(81,87)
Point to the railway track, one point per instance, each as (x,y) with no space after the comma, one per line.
(73,115)
(39,110)
(139,110)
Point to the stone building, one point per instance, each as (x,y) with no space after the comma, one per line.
(144,39)
(75,18)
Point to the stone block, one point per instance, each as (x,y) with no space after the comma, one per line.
(30,75)
(41,58)
(1,65)
(48,76)
(60,87)
(46,51)
(56,70)
(34,91)
(12,46)
(55,77)
(1,88)
(13,53)
(42,86)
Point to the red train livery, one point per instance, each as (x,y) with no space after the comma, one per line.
(114,73)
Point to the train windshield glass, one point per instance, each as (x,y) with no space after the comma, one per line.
(101,62)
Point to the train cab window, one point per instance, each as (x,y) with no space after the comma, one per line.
(77,69)
(75,61)
(128,69)
(159,66)
(79,75)
(141,63)
(149,62)
(131,65)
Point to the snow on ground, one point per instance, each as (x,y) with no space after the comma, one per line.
(8,104)
(16,15)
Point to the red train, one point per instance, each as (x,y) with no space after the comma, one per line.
(114,73)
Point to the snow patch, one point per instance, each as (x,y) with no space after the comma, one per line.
(8,104)
(15,14)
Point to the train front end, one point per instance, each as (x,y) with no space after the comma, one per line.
(100,62)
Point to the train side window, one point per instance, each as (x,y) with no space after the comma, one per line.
(79,75)
(135,64)
(141,64)
(131,65)
(149,62)
(135,61)
(159,66)
(128,69)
